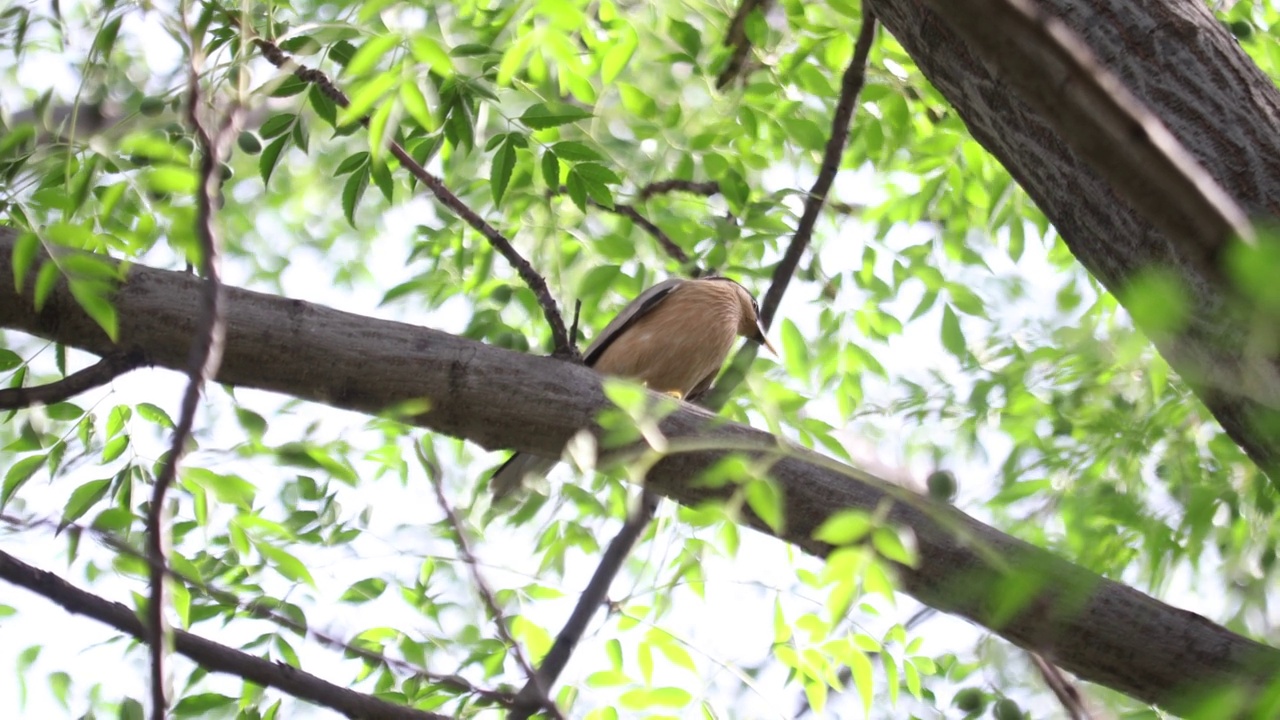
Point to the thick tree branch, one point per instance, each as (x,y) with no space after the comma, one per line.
(209,655)
(109,368)
(531,277)
(1106,181)
(1056,73)
(1095,628)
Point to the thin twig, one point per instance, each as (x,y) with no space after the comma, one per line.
(850,87)
(207,654)
(573,329)
(736,39)
(110,367)
(1065,690)
(535,281)
(592,598)
(705,188)
(668,245)
(262,611)
(542,699)
(203,361)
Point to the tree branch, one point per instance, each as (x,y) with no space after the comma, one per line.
(204,357)
(538,695)
(1066,692)
(207,654)
(1057,74)
(531,277)
(110,367)
(669,246)
(850,86)
(1097,629)
(1102,181)
(706,188)
(736,40)
(592,598)
(264,611)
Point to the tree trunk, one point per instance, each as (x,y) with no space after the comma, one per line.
(1098,629)
(1184,66)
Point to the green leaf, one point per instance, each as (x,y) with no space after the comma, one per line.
(576,151)
(890,547)
(284,563)
(366,96)
(226,488)
(952,336)
(155,414)
(416,105)
(277,125)
(270,156)
(430,53)
(369,54)
(364,591)
(618,53)
(541,116)
(551,170)
(83,498)
(352,191)
(765,500)
(500,172)
(844,527)
(24,255)
(19,473)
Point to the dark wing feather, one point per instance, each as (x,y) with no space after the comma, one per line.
(644,303)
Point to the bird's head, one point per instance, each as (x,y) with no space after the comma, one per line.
(750,324)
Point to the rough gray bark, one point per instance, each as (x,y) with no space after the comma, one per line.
(1096,628)
(1179,62)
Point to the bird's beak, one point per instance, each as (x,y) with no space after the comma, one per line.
(763,339)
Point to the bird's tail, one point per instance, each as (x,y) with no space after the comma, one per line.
(510,476)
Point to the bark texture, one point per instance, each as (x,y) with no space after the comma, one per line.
(1096,628)
(1177,60)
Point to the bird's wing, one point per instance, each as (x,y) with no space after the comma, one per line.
(644,303)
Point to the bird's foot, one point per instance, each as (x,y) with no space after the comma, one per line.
(675,394)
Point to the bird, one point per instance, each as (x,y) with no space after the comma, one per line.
(673,338)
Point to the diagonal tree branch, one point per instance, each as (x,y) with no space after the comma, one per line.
(202,363)
(592,599)
(705,188)
(110,367)
(1095,628)
(538,696)
(850,86)
(206,653)
(264,611)
(736,40)
(531,277)
(669,246)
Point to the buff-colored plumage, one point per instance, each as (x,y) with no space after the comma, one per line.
(673,337)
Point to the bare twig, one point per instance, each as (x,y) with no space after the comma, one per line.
(110,367)
(592,598)
(209,655)
(573,329)
(541,698)
(664,240)
(850,86)
(1065,690)
(736,39)
(535,281)
(203,361)
(263,611)
(706,188)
